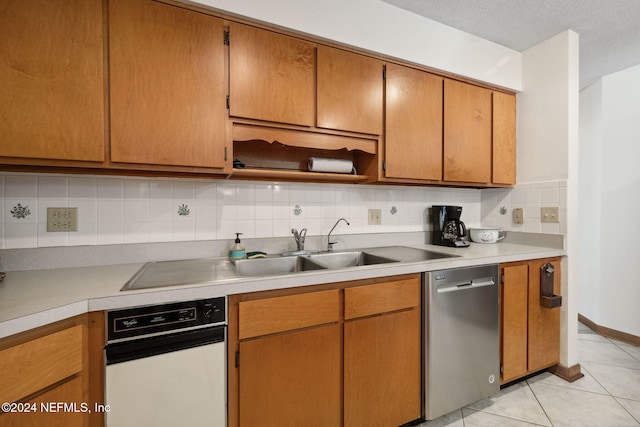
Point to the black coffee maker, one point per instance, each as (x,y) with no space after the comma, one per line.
(448,230)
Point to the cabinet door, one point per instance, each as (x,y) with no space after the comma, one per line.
(382,354)
(287,313)
(70,393)
(467,132)
(52,80)
(504,138)
(271,76)
(292,379)
(413,131)
(382,374)
(513,304)
(167,85)
(349,91)
(36,365)
(544,323)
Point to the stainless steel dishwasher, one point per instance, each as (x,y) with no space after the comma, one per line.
(166,365)
(462,341)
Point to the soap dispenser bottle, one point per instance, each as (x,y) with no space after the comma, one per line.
(237,250)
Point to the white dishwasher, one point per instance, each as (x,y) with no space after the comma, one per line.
(166,365)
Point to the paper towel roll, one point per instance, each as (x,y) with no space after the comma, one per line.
(318,164)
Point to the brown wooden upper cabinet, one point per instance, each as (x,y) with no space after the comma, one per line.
(168,90)
(413,138)
(271,76)
(467,133)
(504,138)
(52,80)
(349,91)
(281,79)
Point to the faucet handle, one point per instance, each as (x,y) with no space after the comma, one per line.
(299,236)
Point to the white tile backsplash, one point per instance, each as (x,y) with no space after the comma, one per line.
(115,210)
(531,197)
(21,186)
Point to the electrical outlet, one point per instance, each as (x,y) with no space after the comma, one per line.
(518,215)
(549,215)
(375,216)
(62,219)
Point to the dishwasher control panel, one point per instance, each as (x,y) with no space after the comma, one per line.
(148,320)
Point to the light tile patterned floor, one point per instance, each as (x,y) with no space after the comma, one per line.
(607,396)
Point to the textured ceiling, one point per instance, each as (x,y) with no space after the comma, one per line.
(609,29)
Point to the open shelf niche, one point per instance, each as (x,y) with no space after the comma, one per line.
(283,154)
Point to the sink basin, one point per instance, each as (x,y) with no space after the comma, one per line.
(349,259)
(408,254)
(180,272)
(271,266)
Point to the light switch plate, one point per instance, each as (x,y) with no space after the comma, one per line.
(62,219)
(518,216)
(549,215)
(375,216)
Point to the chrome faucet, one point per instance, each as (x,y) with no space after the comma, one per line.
(329,242)
(299,236)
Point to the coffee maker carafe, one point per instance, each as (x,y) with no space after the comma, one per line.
(448,230)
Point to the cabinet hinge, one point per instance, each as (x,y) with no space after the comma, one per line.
(225,154)
(237,359)
(384,72)
(228,102)
(384,165)
(226,38)
(502,279)
(501,368)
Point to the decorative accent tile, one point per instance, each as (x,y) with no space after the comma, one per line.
(393,210)
(183,210)
(297,210)
(20,212)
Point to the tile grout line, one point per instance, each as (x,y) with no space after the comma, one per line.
(512,418)
(608,392)
(539,403)
(623,349)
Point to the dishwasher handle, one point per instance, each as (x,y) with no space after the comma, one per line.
(467,284)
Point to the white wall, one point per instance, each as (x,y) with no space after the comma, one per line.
(613,111)
(543,112)
(590,199)
(379,27)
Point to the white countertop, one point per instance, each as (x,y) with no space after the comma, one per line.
(29,299)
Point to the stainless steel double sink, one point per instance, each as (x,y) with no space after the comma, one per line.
(295,264)
(209,270)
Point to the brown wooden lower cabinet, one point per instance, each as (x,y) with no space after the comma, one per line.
(350,357)
(530,332)
(54,374)
(382,369)
(292,379)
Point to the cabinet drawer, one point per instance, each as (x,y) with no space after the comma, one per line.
(37,364)
(280,314)
(381,298)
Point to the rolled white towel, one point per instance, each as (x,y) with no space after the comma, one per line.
(319,164)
